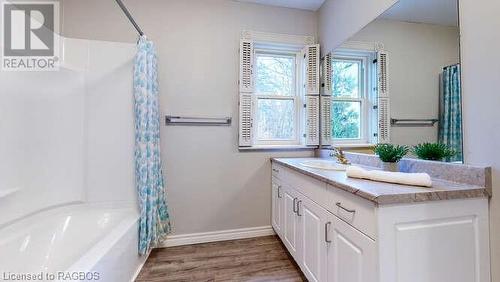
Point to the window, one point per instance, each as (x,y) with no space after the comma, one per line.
(278,92)
(352,94)
(277,99)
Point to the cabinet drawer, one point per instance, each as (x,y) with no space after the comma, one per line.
(312,188)
(277,170)
(357,212)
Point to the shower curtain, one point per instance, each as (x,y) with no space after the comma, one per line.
(154,222)
(450,126)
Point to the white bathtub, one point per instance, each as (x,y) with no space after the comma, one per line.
(97,240)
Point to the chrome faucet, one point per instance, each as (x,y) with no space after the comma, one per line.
(339,154)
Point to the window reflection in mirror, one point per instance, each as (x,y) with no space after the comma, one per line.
(411,95)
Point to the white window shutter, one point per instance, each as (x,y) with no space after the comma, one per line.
(246,83)
(312,69)
(326,102)
(327,74)
(384,113)
(326,120)
(382,74)
(246,66)
(384,120)
(312,121)
(246,120)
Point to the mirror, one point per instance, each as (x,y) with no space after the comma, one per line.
(397,80)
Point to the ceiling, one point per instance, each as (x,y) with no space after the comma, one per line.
(441,12)
(311,5)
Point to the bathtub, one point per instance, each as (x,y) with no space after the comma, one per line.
(72,243)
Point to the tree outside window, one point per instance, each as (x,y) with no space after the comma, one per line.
(346,96)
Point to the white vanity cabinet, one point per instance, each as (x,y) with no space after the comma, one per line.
(337,236)
(325,247)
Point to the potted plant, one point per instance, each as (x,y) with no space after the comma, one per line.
(433,151)
(390,155)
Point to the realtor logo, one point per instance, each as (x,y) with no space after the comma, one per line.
(30,36)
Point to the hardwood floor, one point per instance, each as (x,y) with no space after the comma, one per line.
(255,259)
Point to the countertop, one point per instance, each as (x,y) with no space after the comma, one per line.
(386,193)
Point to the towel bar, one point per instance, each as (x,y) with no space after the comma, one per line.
(413,122)
(205,121)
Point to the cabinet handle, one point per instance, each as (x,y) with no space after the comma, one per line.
(294,205)
(279,192)
(327,228)
(339,204)
(298,207)
(276,170)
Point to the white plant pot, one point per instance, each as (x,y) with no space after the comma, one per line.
(390,166)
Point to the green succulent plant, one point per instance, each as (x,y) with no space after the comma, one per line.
(433,151)
(390,153)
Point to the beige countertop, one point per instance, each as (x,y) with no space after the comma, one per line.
(387,193)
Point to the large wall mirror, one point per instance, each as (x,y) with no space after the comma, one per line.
(397,80)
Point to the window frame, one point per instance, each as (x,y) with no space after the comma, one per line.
(367,94)
(296,98)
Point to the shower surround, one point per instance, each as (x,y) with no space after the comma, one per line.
(67,146)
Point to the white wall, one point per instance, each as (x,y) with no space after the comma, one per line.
(210,184)
(480,43)
(417,55)
(340,19)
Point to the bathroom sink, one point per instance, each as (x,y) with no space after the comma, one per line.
(324,164)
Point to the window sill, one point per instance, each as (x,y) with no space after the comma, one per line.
(353,146)
(277,148)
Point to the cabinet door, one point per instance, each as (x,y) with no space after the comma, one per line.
(289,226)
(276,209)
(351,256)
(313,225)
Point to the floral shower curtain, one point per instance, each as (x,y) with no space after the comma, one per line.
(154,223)
(450,126)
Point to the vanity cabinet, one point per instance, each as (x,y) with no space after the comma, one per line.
(336,236)
(325,247)
(332,250)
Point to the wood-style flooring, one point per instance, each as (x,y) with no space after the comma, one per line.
(255,259)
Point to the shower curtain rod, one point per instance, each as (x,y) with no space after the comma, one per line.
(129,16)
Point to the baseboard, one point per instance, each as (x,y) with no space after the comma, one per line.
(215,236)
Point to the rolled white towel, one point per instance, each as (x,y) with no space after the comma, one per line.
(414,179)
(357,172)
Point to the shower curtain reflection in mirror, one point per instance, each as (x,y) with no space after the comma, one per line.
(450,126)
